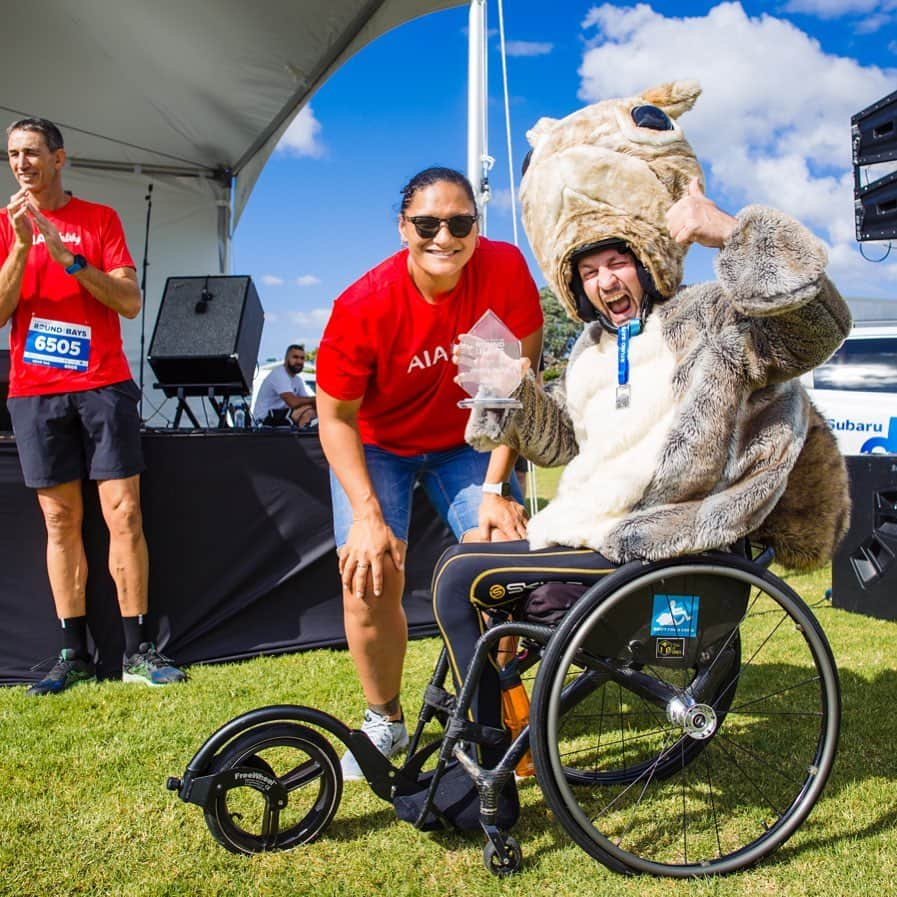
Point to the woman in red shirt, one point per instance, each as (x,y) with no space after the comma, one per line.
(388,418)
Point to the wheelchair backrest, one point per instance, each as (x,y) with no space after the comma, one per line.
(672,621)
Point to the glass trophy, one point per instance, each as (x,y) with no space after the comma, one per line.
(489,364)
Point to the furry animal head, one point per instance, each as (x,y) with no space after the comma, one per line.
(598,174)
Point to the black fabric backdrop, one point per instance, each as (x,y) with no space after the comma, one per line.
(242,558)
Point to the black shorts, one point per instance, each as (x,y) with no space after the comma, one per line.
(73,435)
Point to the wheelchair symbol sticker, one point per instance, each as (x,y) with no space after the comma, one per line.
(675,615)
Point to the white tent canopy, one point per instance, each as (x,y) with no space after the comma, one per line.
(189,96)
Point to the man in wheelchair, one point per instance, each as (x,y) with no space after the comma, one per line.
(680,419)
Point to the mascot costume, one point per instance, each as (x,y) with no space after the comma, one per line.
(720,440)
(716,442)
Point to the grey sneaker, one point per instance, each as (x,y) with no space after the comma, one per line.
(67,671)
(150,667)
(389,737)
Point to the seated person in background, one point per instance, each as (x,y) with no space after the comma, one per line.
(284,397)
(680,418)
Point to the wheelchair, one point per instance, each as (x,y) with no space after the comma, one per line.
(684,721)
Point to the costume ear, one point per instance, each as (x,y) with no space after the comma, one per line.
(674,97)
(541,127)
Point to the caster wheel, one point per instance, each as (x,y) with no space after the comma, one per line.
(495,865)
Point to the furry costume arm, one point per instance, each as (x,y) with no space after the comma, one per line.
(541,430)
(772,269)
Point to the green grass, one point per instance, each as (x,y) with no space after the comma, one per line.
(84,810)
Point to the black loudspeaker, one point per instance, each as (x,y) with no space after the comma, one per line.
(864,571)
(5,422)
(207,334)
(874,139)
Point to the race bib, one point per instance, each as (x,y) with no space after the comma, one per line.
(57,344)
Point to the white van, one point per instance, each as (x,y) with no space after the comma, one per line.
(856,390)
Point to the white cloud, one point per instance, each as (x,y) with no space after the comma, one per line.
(764,133)
(315,319)
(302,137)
(272,280)
(501,200)
(307,280)
(271,317)
(528,48)
(834,9)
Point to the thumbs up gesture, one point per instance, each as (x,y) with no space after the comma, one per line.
(696,219)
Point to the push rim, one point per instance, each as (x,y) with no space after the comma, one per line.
(754,780)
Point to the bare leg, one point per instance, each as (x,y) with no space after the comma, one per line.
(303,416)
(128,557)
(63,510)
(377,633)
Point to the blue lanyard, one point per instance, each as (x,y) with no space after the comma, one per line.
(624,334)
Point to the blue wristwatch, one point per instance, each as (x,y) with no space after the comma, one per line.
(78,262)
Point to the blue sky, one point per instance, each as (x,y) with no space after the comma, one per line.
(780,82)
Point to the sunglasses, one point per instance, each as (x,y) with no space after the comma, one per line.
(427,226)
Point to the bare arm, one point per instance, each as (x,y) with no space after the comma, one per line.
(13,269)
(294,401)
(369,536)
(116,289)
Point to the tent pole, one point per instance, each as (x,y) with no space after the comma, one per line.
(476,107)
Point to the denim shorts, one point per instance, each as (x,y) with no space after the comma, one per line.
(68,436)
(452,479)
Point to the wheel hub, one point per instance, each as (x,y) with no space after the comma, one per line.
(698,721)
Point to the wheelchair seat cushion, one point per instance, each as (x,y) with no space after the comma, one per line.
(457,802)
(548,603)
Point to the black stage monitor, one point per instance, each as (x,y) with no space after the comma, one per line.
(207,334)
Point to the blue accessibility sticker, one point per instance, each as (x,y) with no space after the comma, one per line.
(675,615)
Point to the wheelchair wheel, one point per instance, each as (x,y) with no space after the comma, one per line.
(591,697)
(306,765)
(677,781)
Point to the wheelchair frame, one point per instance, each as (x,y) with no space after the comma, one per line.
(595,791)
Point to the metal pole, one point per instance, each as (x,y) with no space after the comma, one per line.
(476,104)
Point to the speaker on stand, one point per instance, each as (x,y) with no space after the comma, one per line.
(864,570)
(206,341)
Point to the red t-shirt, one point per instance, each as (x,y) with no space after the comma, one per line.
(62,339)
(385,342)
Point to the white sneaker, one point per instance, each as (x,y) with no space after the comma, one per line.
(390,737)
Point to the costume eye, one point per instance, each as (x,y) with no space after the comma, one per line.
(651,117)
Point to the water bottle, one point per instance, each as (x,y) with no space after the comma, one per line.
(515,711)
(240,418)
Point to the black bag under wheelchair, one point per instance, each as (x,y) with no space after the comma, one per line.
(684,720)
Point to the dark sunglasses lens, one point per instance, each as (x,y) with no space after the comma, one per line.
(651,117)
(461,225)
(425,226)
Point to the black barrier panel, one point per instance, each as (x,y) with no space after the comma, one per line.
(242,558)
(5,422)
(864,570)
